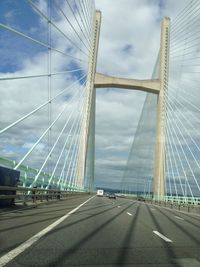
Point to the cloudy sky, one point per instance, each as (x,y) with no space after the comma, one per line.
(129,45)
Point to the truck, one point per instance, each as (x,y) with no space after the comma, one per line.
(100,193)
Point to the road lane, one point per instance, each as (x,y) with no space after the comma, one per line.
(102,234)
(190,218)
(18,226)
(186,231)
(84,237)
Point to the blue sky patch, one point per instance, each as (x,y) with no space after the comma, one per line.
(128,49)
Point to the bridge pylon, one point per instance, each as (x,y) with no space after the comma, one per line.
(86,153)
(159,169)
(156,86)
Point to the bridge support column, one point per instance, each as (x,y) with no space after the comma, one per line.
(159,170)
(86,153)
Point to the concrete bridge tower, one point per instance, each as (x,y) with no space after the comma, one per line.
(155,86)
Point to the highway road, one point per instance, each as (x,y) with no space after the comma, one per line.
(102,232)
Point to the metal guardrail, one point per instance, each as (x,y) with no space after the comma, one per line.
(181,200)
(177,203)
(24,194)
(168,199)
(190,208)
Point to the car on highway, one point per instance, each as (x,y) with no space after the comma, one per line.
(100,193)
(112,195)
(140,198)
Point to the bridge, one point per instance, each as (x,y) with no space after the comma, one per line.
(49,82)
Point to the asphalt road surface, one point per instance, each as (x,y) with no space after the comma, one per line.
(102,232)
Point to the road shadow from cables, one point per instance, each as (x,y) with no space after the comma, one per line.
(15,227)
(168,248)
(40,210)
(60,259)
(186,217)
(51,218)
(59,228)
(121,260)
(181,227)
(28,224)
(16,209)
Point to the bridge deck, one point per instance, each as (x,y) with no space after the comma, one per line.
(103,232)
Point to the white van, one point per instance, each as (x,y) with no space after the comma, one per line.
(100,193)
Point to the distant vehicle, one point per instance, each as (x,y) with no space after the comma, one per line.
(112,196)
(140,198)
(100,193)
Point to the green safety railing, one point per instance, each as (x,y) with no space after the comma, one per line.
(27,175)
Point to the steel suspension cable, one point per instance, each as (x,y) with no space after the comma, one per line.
(174,159)
(182,13)
(168,159)
(86,18)
(38,42)
(67,156)
(54,25)
(184,21)
(53,147)
(63,148)
(39,75)
(86,38)
(170,137)
(183,152)
(82,20)
(183,138)
(71,25)
(40,107)
(73,173)
(174,51)
(46,131)
(191,104)
(73,154)
(185,39)
(183,116)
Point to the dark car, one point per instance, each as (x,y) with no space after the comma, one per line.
(112,196)
(140,198)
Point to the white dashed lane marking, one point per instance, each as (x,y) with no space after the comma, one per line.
(129,214)
(177,217)
(162,236)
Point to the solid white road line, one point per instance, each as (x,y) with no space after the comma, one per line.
(15,252)
(162,236)
(129,214)
(177,217)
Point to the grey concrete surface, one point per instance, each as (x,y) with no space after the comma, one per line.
(103,232)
